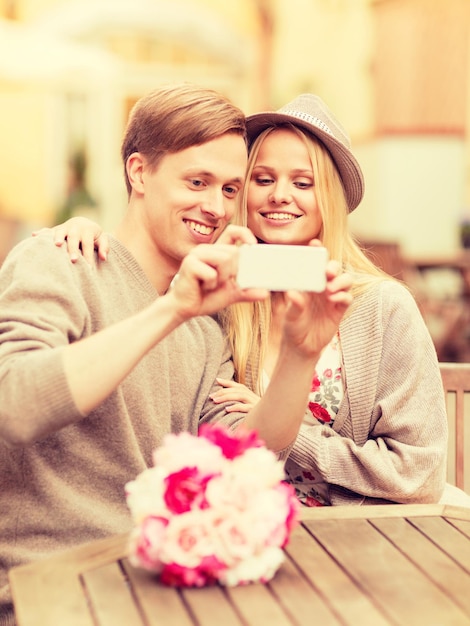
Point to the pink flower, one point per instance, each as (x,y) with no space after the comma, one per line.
(275,514)
(319,412)
(214,508)
(232,444)
(189,538)
(293,508)
(207,573)
(146,542)
(185,489)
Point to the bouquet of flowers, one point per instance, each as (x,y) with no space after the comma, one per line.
(212,509)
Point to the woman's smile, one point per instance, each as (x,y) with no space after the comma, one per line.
(280,217)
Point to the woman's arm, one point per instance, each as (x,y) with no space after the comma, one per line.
(310,322)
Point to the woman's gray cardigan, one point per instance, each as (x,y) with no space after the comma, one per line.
(389,439)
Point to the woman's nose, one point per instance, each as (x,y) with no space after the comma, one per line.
(280,193)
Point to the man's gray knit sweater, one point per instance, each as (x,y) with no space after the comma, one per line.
(68,486)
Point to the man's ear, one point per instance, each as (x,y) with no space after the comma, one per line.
(135,167)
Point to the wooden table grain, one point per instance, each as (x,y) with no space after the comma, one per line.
(375,566)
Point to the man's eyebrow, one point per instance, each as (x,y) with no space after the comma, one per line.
(207,174)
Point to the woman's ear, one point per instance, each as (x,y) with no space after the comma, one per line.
(135,167)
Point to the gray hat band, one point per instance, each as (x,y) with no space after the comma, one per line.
(309,119)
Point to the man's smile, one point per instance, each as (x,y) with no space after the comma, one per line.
(202,229)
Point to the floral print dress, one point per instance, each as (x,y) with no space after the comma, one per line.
(325,397)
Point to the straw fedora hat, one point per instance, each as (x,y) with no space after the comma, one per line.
(309,112)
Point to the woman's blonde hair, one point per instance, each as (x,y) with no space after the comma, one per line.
(247,324)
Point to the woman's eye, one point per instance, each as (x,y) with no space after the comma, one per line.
(196,182)
(263,180)
(303,184)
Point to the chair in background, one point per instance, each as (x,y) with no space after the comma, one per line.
(386,255)
(456,382)
(446,318)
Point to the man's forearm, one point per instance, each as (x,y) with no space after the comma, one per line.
(95,366)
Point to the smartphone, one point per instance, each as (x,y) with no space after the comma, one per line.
(280,268)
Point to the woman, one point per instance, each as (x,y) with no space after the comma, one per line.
(375,428)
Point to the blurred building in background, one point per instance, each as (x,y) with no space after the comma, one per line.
(396,73)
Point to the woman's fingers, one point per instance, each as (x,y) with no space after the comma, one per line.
(102,244)
(239,407)
(81,236)
(243,398)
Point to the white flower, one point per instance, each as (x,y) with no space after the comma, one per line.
(185,450)
(260,567)
(236,539)
(145,494)
(260,467)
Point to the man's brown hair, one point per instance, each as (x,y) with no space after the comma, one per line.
(175,117)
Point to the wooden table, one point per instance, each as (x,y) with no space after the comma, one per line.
(368,566)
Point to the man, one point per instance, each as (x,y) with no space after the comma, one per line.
(96,366)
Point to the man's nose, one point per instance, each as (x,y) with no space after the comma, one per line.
(214,204)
